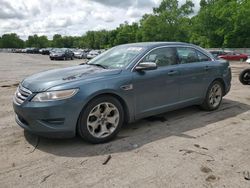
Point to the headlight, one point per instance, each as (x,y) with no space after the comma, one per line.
(54,95)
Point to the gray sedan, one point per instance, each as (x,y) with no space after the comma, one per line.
(123,84)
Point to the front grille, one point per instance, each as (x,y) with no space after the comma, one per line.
(21,94)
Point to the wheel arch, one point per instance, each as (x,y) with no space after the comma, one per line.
(223,84)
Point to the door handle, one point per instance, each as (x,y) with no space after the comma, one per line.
(172,72)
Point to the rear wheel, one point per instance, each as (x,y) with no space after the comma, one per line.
(101,120)
(213,97)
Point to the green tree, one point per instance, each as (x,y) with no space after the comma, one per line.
(11,40)
(43,42)
(239,34)
(37,41)
(169,22)
(222,23)
(126,33)
(67,41)
(57,41)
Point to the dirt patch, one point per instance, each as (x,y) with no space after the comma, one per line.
(10,85)
(205,169)
(211,178)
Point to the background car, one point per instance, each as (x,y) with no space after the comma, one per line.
(16,50)
(92,54)
(45,51)
(80,54)
(24,50)
(32,50)
(217,53)
(40,51)
(234,56)
(61,54)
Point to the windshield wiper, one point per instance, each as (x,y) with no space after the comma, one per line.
(99,65)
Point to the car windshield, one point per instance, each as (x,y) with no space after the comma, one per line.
(117,57)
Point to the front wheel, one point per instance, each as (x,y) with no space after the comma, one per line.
(213,97)
(101,120)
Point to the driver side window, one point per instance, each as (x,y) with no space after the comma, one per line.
(162,56)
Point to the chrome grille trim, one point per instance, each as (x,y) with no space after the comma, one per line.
(25,90)
(21,94)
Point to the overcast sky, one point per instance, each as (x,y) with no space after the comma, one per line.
(69,17)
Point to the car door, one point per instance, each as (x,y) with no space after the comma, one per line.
(239,57)
(195,72)
(231,56)
(157,90)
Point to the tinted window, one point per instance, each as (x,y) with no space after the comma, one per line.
(202,57)
(190,55)
(162,57)
(187,55)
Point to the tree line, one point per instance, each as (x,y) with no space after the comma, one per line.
(218,23)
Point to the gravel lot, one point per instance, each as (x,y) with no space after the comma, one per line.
(184,148)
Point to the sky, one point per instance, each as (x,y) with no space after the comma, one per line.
(70,17)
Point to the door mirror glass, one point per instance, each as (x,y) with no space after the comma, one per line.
(146,66)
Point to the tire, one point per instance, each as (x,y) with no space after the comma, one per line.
(93,124)
(72,58)
(213,96)
(245,77)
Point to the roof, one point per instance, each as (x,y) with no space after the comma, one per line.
(155,44)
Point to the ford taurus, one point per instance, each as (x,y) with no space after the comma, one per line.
(124,84)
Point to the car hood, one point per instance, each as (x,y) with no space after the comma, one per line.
(45,80)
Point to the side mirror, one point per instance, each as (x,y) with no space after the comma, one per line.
(146,66)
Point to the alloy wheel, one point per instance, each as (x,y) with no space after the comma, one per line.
(215,95)
(103,120)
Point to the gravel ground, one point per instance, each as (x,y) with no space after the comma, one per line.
(184,148)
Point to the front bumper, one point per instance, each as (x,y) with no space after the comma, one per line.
(57,119)
(57,57)
(90,56)
(78,56)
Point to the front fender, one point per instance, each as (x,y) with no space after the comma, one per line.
(111,86)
